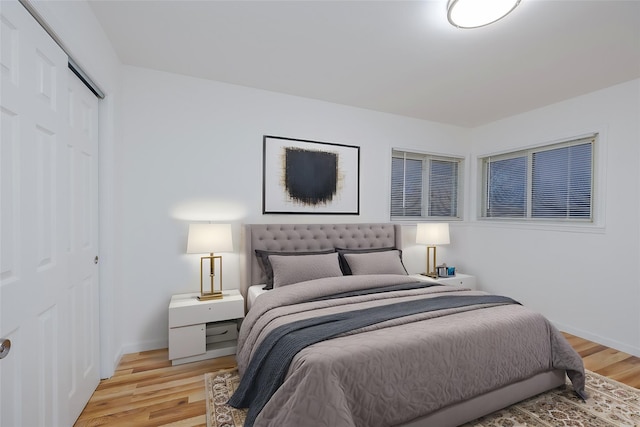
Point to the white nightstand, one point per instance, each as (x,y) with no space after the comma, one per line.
(201,330)
(459,279)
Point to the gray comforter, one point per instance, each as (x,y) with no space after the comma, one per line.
(397,370)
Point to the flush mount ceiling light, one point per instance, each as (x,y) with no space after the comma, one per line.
(478,13)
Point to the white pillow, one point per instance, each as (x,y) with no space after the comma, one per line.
(387,262)
(294,269)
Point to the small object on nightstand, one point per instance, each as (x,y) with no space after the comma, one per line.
(445,271)
(442,270)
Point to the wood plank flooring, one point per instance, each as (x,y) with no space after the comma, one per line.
(605,361)
(147,391)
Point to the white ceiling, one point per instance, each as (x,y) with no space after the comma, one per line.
(400,57)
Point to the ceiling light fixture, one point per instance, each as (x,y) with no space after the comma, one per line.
(478,13)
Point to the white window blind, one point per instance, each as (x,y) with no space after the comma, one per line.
(424,186)
(507,187)
(443,188)
(550,182)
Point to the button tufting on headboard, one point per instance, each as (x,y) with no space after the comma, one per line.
(311,237)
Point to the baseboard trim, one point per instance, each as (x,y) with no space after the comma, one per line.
(620,346)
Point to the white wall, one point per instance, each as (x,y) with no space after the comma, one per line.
(192,151)
(586,281)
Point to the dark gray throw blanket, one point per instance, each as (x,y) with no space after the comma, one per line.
(270,363)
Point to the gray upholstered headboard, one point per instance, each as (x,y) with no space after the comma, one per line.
(310,237)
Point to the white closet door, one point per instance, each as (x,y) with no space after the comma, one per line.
(48,220)
(82,290)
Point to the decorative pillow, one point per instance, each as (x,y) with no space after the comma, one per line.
(343,262)
(387,262)
(263,261)
(290,269)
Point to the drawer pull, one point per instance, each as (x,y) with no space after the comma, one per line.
(221,333)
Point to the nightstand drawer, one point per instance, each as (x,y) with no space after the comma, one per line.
(460,279)
(221,331)
(205,311)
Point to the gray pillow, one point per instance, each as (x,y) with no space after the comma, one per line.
(387,262)
(265,264)
(343,262)
(294,269)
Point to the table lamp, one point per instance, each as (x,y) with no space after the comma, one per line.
(432,234)
(209,238)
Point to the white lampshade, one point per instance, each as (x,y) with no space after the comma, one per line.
(209,238)
(432,233)
(478,13)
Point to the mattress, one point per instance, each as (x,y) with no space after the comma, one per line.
(252,294)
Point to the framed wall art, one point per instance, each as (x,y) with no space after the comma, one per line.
(310,177)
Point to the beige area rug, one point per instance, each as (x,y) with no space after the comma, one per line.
(611,404)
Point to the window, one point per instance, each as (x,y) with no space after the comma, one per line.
(551,182)
(424,186)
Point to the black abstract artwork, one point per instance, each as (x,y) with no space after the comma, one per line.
(310,177)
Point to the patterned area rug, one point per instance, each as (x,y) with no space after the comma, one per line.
(611,404)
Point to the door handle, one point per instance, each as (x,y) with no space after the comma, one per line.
(5,347)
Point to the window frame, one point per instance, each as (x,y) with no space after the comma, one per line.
(426,167)
(595,217)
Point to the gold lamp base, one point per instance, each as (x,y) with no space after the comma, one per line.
(212,294)
(431,258)
(207,297)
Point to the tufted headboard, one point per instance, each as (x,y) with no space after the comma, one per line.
(310,237)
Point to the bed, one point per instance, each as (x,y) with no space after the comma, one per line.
(459,355)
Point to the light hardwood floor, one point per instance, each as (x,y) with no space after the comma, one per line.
(147,391)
